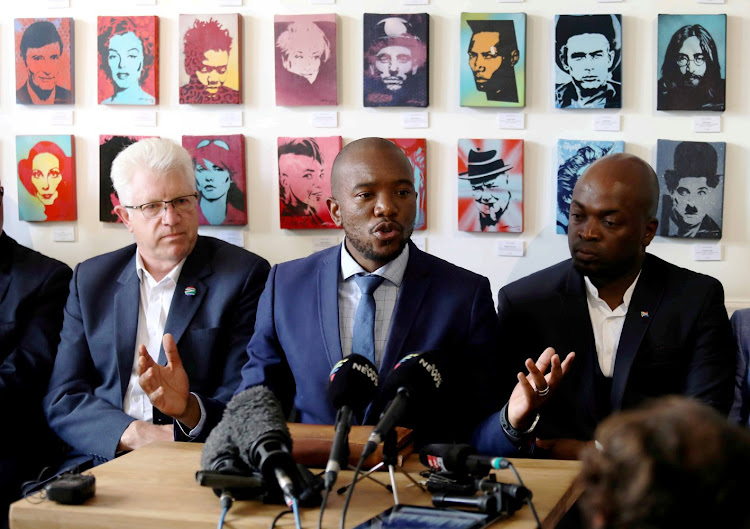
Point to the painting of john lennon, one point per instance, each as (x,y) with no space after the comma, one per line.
(128,60)
(219,163)
(46,178)
(211,59)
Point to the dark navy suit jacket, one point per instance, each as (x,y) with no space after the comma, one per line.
(676,339)
(740,411)
(33,289)
(97,347)
(296,342)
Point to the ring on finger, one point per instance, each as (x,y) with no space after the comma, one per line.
(543,392)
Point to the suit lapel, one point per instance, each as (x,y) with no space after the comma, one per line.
(126,308)
(642,308)
(188,295)
(328,304)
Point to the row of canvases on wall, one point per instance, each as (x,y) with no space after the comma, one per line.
(489,178)
(588,56)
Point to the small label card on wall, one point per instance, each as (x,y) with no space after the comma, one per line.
(324,120)
(510,247)
(228,2)
(321,243)
(61,118)
(415,2)
(707,252)
(144,118)
(231,236)
(707,124)
(58,4)
(144,2)
(711,1)
(509,1)
(511,120)
(232,118)
(64,234)
(607,122)
(608,1)
(420,241)
(322,1)
(415,120)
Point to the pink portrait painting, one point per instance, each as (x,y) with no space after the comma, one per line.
(490,185)
(416,150)
(305,48)
(305,181)
(219,163)
(44,61)
(128,60)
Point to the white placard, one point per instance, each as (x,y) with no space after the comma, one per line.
(64,234)
(228,2)
(144,2)
(707,124)
(231,236)
(511,120)
(415,2)
(61,118)
(707,252)
(321,243)
(607,122)
(415,120)
(509,1)
(710,1)
(58,4)
(324,120)
(420,241)
(144,118)
(230,118)
(608,1)
(509,247)
(322,1)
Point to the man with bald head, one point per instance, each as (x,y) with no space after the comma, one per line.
(640,327)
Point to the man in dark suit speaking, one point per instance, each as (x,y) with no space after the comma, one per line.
(131,310)
(640,327)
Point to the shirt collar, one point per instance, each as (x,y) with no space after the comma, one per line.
(593,293)
(173,274)
(393,271)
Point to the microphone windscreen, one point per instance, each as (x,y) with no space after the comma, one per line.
(219,449)
(420,373)
(353,382)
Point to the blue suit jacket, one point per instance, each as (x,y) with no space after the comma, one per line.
(740,411)
(297,342)
(676,339)
(97,348)
(33,289)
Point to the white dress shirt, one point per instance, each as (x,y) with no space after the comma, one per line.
(607,324)
(385,299)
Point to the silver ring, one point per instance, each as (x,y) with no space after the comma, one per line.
(544,392)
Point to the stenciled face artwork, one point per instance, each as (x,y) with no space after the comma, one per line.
(125,59)
(484,57)
(213,180)
(213,73)
(588,60)
(304,62)
(46,176)
(689,199)
(44,65)
(303,177)
(394,64)
(490,196)
(692,61)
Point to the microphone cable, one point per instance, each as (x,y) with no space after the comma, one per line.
(351,491)
(528,500)
(226,502)
(323,508)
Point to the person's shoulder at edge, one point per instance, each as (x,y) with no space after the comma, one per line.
(23,255)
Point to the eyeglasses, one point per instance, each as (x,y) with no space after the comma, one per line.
(698,59)
(152,210)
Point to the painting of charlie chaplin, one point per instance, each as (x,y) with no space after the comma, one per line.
(490,185)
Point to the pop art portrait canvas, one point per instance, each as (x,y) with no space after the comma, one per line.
(305,51)
(219,163)
(109,147)
(128,50)
(692,62)
(490,185)
(396,60)
(44,61)
(573,158)
(493,60)
(588,56)
(691,182)
(305,181)
(416,150)
(46,178)
(210,59)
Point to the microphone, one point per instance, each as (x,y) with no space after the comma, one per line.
(415,381)
(459,458)
(353,383)
(260,432)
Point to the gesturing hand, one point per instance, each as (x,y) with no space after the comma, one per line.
(167,386)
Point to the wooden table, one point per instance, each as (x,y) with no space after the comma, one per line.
(155,487)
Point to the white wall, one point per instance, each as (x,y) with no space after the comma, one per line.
(264,122)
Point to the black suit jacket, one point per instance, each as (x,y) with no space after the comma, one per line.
(676,339)
(33,289)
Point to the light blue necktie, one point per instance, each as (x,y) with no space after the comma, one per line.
(363,335)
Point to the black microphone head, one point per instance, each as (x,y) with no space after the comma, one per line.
(220,451)
(419,373)
(446,457)
(353,382)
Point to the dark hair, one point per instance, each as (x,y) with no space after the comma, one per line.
(670,69)
(302,146)
(674,463)
(38,35)
(121,26)
(567,174)
(506,33)
(571,25)
(201,37)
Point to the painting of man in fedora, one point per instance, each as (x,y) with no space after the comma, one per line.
(490,185)
(692,204)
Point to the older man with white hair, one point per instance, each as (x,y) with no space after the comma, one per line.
(130,311)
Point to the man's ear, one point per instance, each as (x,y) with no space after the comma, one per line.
(124,215)
(611,59)
(514,57)
(334,210)
(651,225)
